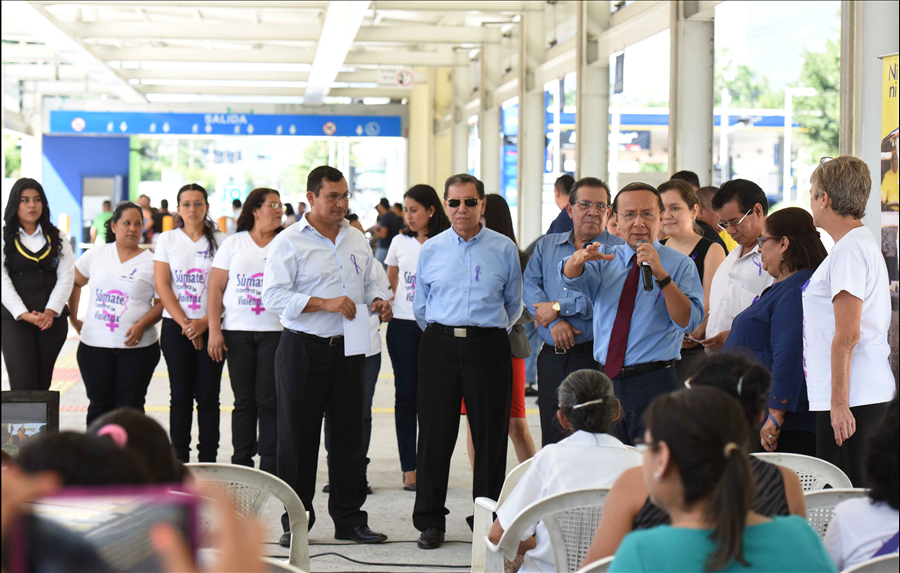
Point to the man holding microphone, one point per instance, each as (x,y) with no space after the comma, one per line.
(468,295)
(565,315)
(317,272)
(646,297)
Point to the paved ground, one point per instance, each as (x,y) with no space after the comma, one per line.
(389,508)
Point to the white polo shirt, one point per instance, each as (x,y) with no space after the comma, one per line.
(583,460)
(404,254)
(189,265)
(245,262)
(737,281)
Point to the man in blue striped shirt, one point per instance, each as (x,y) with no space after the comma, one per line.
(564,315)
(468,295)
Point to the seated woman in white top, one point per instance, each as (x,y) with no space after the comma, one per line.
(589,457)
(865,527)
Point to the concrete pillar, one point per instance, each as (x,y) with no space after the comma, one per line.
(462,89)
(489,117)
(872,34)
(592,95)
(421,128)
(531,145)
(442,156)
(690,92)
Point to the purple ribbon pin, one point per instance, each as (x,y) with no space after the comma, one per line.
(477,271)
(353,258)
(658,296)
(758,263)
(694,256)
(806,284)
(756,298)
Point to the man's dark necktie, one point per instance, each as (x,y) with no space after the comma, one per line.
(618,340)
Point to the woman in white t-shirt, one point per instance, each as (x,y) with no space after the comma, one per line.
(181,268)
(847,313)
(249,333)
(119,346)
(425,218)
(588,458)
(866,527)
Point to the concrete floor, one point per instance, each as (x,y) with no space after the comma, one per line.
(389,508)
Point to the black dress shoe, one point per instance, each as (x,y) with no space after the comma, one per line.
(285,540)
(471,521)
(359,534)
(431,538)
(327,488)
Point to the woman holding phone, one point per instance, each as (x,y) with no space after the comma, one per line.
(248,335)
(181,268)
(119,346)
(38,269)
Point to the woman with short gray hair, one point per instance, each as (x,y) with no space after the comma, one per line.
(847,313)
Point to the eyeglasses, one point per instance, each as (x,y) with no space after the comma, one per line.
(762,241)
(823,161)
(630,216)
(334,197)
(274,205)
(586,205)
(469,201)
(726,224)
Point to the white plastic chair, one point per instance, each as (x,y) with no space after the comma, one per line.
(485,508)
(571,519)
(820,506)
(279,566)
(883,564)
(249,489)
(814,473)
(601,566)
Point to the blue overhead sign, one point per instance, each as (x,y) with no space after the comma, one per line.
(128,123)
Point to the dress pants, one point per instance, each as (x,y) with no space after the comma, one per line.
(850,456)
(534,339)
(635,394)
(31,354)
(690,358)
(313,378)
(403,338)
(476,368)
(552,370)
(371,368)
(193,375)
(251,366)
(116,377)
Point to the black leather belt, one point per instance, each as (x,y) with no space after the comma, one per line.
(461,331)
(330,341)
(638,369)
(576,349)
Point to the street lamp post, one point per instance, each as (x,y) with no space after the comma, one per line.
(788,180)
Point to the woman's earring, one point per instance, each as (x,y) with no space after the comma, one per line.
(782,257)
(657,477)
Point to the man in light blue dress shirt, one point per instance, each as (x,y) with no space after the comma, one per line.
(565,315)
(317,271)
(468,295)
(637,332)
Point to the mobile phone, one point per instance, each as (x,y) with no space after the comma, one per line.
(694,340)
(101,529)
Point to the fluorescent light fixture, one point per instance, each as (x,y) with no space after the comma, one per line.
(224,66)
(342,21)
(510,102)
(376,100)
(214,98)
(337,100)
(225,83)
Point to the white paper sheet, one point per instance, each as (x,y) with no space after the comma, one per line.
(357,338)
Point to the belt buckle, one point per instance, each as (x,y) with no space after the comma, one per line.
(559,350)
(460,332)
(334,340)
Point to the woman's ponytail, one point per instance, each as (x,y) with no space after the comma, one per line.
(728,508)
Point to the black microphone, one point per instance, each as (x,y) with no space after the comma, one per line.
(646,274)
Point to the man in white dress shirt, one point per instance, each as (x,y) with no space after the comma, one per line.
(318,270)
(740,279)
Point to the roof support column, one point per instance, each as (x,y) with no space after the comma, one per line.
(461,90)
(690,92)
(866,33)
(421,128)
(532,129)
(592,92)
(489,117)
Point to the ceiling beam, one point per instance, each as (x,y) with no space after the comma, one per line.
(28,53)
(339,29)
(295,5)
(25,72)
(430,34)
(460,6)
(46,29)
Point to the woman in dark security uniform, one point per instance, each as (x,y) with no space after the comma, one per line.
(38,271)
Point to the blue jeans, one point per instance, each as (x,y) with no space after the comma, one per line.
(371,368)
(381,254)
(403,345)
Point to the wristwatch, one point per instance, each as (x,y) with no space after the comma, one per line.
(555,306)
(664,283)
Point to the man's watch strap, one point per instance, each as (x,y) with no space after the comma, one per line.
(664,283)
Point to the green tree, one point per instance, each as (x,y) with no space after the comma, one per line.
(820,114)
(13,160)
(747,87)
(293,179)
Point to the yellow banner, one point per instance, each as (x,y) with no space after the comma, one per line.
(890,119)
